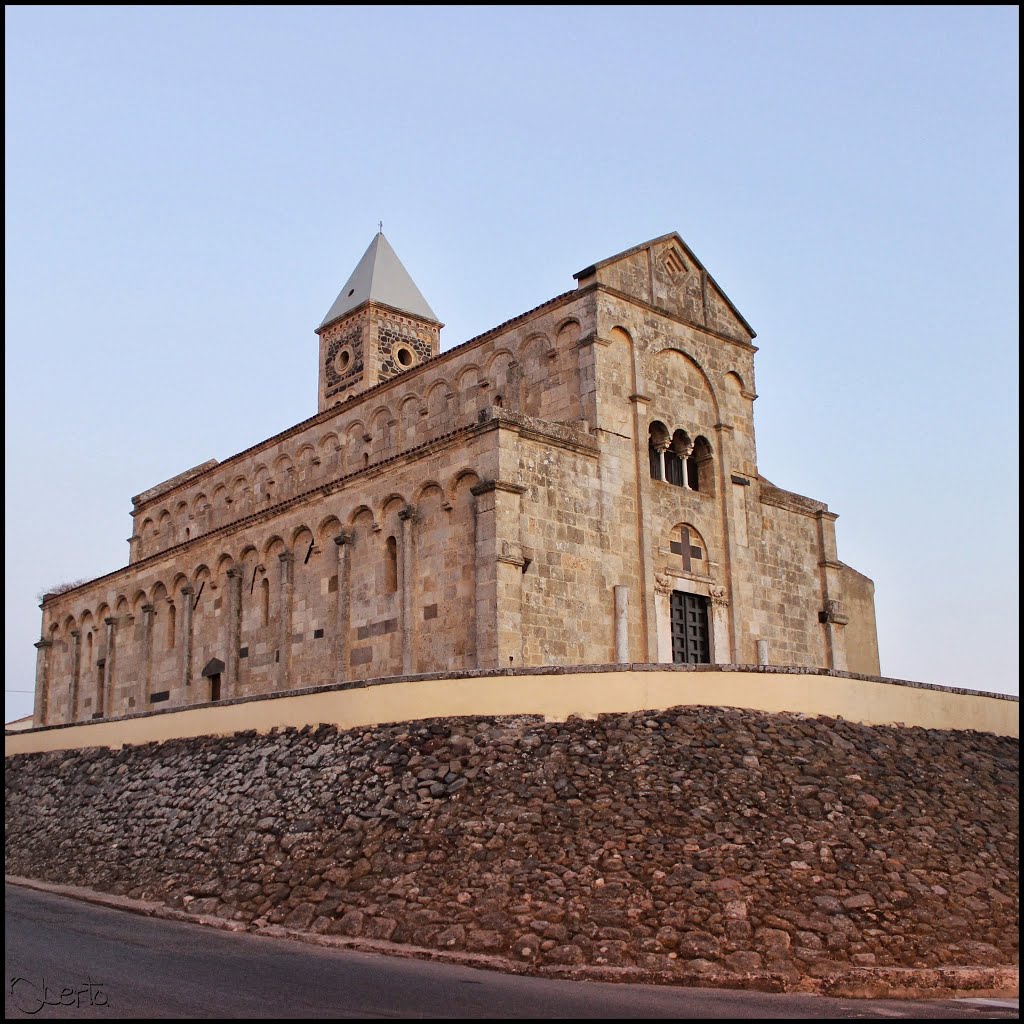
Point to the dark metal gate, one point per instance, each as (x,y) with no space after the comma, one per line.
(691,642)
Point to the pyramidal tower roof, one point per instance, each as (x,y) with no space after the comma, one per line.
(380,277)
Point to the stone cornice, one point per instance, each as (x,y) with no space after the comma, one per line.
(554,434)
(769,494)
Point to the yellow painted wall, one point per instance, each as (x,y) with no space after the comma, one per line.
(556,697)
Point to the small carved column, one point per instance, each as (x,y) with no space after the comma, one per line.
(720,653)
(234,630)
(407,517)
(186,635)
(661,447)
(42,699)
(108,667)
(343,605)
(683,456)
(147,653)
(284,638)
(76,663)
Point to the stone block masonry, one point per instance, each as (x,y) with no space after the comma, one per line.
(702,842)
(489,502)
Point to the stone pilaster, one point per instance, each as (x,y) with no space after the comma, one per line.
(108,667)
(831,615)
(720,652)
(147,654)
(407,519)
(662,618)
(76,671)
(343,605)
(649,646)
(499,574)
(234,633)
(732,554)
(284,636)
(186,635)
(41,707)
(621,625)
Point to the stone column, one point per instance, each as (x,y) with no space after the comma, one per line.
(762,652)
(831,616)
(186,635)
(284,636)
(622,625)
(76,663)
(343,605)
(406,575)
(42,697)
(234,631)
(147,653)
(108,668)
(499,574)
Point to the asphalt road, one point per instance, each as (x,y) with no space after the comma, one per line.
(96,962)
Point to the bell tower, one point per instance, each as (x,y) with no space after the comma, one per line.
(379,326)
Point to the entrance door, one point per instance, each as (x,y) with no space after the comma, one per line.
(215,686)
(691,642)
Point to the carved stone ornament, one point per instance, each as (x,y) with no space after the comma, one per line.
(663,584)
(718,596)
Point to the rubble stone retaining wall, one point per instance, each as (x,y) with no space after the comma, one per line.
(698,840)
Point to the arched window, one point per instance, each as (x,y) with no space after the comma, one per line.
(391,566)
(264,601)
(657,443)
(698,466)
(172,620)
(675,457)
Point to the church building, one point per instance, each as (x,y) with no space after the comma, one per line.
(577,486)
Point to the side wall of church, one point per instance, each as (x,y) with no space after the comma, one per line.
(782,597)
(377,577)
(531,365)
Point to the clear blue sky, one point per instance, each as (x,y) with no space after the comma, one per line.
(188,188)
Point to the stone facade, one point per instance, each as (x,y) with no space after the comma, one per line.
(703,845)
(547,493)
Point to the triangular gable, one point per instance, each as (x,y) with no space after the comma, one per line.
(664,272)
